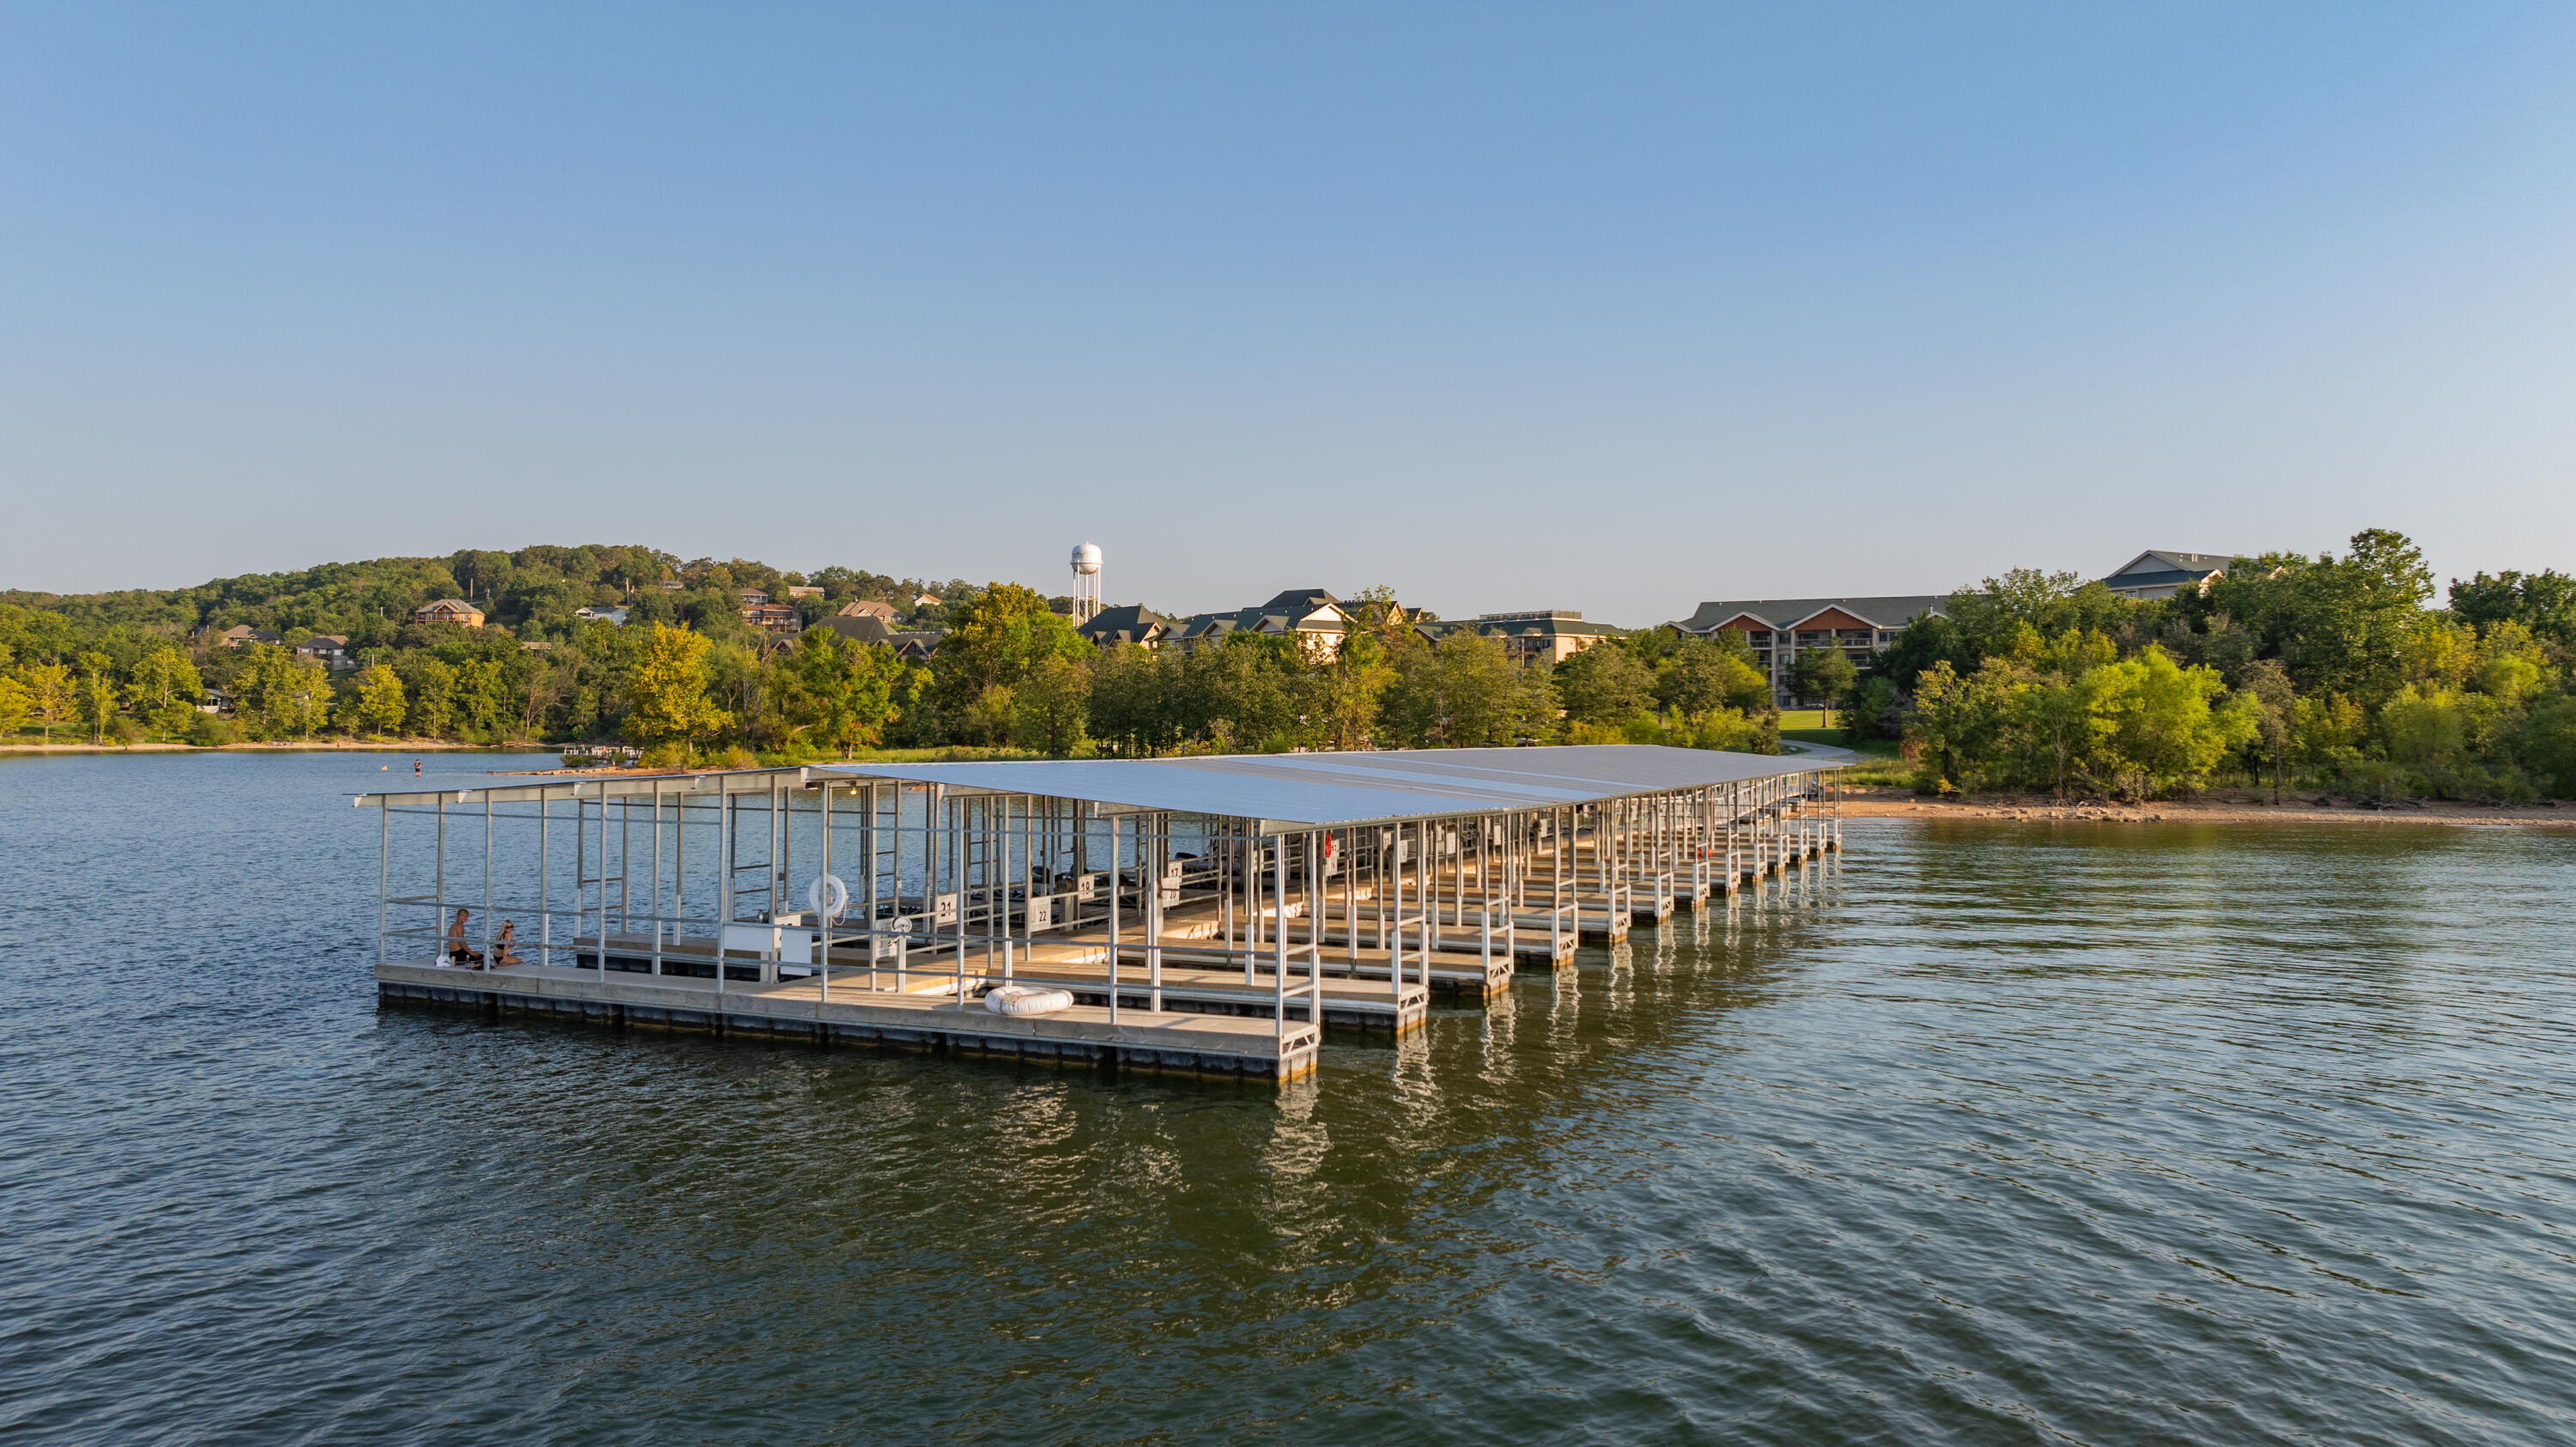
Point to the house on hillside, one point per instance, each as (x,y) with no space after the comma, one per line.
(926,600)
(2156,574)
(867,608)
(776,618)
(750,597)
(448,610)
(241,633)
(801,591)
(330,649)
(1315,618)
(1779,629)
(615,616)
(1135,623)
(910,645)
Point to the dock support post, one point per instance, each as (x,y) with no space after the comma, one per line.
(1154,911)
(1114,921)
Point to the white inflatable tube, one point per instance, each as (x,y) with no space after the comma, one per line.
(1026,1000)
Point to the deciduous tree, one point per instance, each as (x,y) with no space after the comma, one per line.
(381,704)
(842,693)
(49,691)
(98,694)
(668,692)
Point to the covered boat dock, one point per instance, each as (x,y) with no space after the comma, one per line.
(1206,914)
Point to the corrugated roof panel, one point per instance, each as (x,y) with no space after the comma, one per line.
(1329,789)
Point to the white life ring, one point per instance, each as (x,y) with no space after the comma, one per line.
(829,896)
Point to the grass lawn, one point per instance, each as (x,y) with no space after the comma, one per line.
(1807,726)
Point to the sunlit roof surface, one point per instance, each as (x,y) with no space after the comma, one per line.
(1331,789)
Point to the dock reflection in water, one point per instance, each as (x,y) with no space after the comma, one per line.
(2125,1133)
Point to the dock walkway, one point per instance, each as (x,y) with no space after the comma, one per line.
(1205,1044)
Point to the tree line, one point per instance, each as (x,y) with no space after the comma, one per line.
(2327,672)
(688,680)
(1015,674)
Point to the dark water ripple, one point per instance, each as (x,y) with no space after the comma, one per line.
(1990,1134)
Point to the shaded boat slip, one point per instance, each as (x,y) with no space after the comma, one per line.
(1189,984)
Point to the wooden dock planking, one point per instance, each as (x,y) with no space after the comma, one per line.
(1168,1040)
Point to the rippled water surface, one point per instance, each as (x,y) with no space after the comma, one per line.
(2004,1133)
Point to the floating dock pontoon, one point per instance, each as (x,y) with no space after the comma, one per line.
(1211,915)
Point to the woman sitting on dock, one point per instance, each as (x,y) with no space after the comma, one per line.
(457,952)
(501,945)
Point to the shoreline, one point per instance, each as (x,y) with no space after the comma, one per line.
(2230,808)
(312,746)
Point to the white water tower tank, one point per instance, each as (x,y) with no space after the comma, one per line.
(1086,582)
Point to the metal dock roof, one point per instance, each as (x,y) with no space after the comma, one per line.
(1327,790)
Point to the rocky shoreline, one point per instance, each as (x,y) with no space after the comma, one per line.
(2232,807)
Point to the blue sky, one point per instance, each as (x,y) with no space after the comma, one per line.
(1607,307)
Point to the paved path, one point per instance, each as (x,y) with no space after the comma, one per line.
(1822,753)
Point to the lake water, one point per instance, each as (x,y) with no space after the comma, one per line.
(1982,1133)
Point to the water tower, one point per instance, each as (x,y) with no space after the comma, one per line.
(1086,582)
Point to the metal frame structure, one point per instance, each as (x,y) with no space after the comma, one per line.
(1135,883)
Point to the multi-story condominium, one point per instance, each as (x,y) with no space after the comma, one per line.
(1779,629)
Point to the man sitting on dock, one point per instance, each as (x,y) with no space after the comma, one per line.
(458,954)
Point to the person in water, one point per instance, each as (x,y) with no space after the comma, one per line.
(458,953)
(501,945)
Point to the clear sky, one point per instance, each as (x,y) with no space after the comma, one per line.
(1594,306)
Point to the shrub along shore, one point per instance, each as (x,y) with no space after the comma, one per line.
(2329,675)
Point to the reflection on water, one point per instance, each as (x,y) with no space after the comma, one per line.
(1984,1132)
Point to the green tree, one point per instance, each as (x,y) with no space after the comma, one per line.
(1985,618)
(381,705)
(165,685)
(2165,734)
(300,703)
(2276,706)
(1050,712)
(1822,676)
(1250,693)
(1345,691)
(2544,602)
(1698,674)
(49,694)
(2340,625)
(431,687)
(1005,635)
(1465,692)
(1136,700)
(668,692)
(1953,724)
(1605,686)
(2548,745)
(98,694)
(843,693)
(15,704)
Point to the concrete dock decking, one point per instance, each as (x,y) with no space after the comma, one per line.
(1202,1044)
